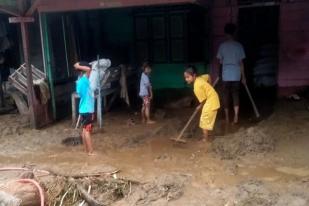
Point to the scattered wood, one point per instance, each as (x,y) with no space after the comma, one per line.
(89,190)
(65,194)
(87,197)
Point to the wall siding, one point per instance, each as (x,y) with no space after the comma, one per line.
(294,45)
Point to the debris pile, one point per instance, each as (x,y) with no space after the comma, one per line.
(245,141)
(89,189)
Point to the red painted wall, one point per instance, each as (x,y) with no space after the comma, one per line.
(294,45)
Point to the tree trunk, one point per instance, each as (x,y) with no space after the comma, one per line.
(20,194)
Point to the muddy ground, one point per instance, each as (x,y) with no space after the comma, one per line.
(264,163)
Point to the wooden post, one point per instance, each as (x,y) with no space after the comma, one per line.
(25,42)
(30,92)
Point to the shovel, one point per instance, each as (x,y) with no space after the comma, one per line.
(76,138)
(256,111)
(179,137)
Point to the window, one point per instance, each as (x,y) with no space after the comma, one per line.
(177,37)
(170,35)
(159,43)
(141,35)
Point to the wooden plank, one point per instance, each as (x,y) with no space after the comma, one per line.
(20,87)
(39,72)
(74,5)
(30,94)
(33,7)
(22,76)
(19,19)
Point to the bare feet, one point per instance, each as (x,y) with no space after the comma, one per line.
(151,122)
(235,120)
(91,154)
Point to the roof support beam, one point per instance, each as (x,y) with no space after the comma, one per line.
(74,5)
(9,11)
(33,7)
(25,41)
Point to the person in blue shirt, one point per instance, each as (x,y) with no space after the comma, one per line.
(231,55)
(145,92)
(86,104)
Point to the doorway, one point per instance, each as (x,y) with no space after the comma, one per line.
(258,29)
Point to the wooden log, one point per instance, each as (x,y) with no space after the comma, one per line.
(8,199)
(87,197)
(26,194)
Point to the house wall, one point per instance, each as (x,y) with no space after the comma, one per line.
(293,71)
(294,46)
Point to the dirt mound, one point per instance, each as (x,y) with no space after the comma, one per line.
(245,141)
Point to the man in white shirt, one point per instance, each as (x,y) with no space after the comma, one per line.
(231,55)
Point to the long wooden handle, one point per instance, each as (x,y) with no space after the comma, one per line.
(187,124)
(257,114)
(215,82)
(78,121)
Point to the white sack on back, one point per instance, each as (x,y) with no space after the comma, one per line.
(97,72)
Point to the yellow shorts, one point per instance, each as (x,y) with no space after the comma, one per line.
(208,119)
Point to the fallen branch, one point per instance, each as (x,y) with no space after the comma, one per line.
(77,176)
(83,202)
(87,197)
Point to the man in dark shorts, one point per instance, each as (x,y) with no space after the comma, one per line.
(86,104)
(231,55)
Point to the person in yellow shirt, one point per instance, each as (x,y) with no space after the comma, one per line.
(207,97)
